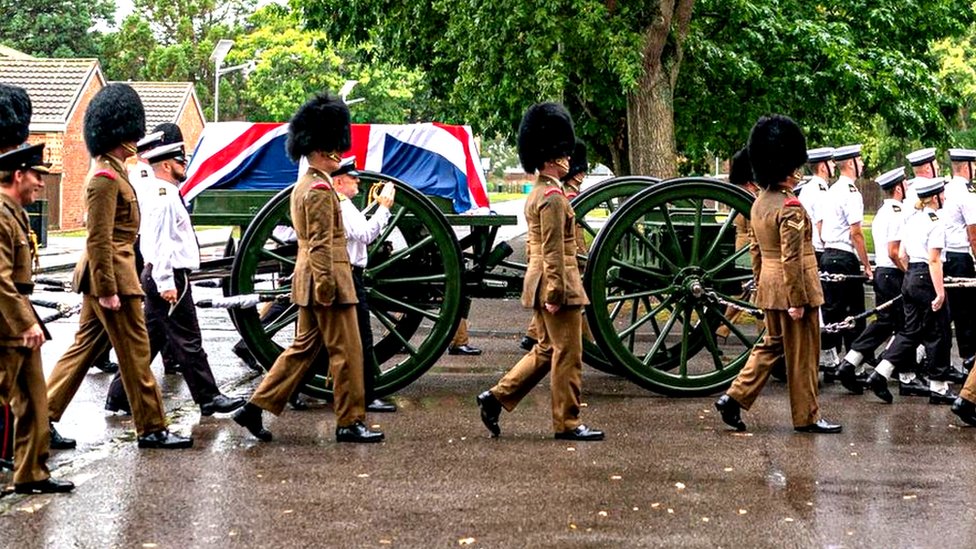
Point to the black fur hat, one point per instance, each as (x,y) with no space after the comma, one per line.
(321,124)
(114,116)
(740,170)
(171,133)
(577,160)
(546,133)
(15,115)
(776,149)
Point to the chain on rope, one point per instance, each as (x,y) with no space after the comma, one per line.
(753,311)
(240,301)
(849,322)
(837,277)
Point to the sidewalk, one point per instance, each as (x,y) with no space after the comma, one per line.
(62,252)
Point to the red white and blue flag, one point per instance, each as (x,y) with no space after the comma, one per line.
(436,159)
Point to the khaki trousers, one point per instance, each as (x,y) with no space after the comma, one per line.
(461,335)
(796,341)
(968,391)
(336,328)
(533,330)
(125,329)
(22,386)
(560,351)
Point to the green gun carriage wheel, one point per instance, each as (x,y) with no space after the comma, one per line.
(413,280)
(666,282)
(592,208)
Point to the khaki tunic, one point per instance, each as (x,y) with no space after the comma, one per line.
(552,277)
(21,375)
(107,267)
(324,291)
(784,263)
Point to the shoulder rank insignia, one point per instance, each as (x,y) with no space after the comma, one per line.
(896,208)
(554,190)
(823,186)
(162,191)
(852,188)
(793,202)
(933,217)
(105,173)
(322,185)
(971,188)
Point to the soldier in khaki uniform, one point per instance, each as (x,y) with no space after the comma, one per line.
(111,309)
(553,288)
(322,285)
(789,289)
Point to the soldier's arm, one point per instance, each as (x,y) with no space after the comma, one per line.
(857,237)
(319,215)
(14,307)
(894,252)
(101,198)
(755,253)
(792,222)
(552,217)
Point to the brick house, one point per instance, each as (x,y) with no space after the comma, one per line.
(174,102)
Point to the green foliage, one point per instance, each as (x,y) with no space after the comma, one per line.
(53,28)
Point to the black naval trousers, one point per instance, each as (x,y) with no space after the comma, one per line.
(960,300)
(177,326)
(370,366)
(887,286)
(923,326)
(841,299)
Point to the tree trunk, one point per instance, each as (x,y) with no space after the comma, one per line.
(650,107)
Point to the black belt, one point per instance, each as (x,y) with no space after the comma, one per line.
(175,270)
(24,288)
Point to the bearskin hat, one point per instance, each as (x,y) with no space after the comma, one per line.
(171,133)
(15,115)
(546,133)
(740,170)
(776,149)
(577,160)
(114,116)
(321,124)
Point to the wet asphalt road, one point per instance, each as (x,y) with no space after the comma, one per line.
(668,475)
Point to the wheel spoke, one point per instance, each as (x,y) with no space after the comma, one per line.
(658,254)
(410,280)
(696,232)
(648,293)
(660,339)
(277,257)
(390,325)
(386,231)
(710,343)
(732,258)
(394,258)
(645,271)
(738,278)
(284,319)
(738,301)
(729,222)
(685,320)
(733,328)
(586,226)
(403,305)
(676,242)
(629,330)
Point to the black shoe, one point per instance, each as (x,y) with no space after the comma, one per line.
(527,343)
(171,371)
(879,386)
(7,464)
(829,374)
(249,417)
(943,398)
(779,372)
(582,433)
(822,426)
(59,442)
(916,387)
(729,408)
(221,404)
(46,486)
(967,364)
(108,366)
(381,406)
(848,378)
(956,376)
(243,353)
(165,440)
(490,410)
(116,407)
(965,410)
(466,350)
(298,403)
(357,432)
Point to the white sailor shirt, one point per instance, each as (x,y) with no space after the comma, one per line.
(959,211)
(360,232)
(166,236)
(814,200)
(845,207)
(886,228)
(924,231)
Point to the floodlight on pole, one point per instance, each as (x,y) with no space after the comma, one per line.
(344,92)
(219,53)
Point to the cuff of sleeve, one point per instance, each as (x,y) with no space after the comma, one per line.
(24,320)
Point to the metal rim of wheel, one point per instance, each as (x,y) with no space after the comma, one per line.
(661,277)
(592,208)
(413,280)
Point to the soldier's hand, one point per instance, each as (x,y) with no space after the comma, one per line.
(796,313)
(33,337)
(938,301)
(387,195)
(552,308)
(169,295)
(111,302)
(868,273)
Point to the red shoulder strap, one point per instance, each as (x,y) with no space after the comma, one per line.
(106,174)
(553,190)
(571,195)
(322,185)
(793,202)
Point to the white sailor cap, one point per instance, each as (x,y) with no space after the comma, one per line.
(846,152)
(929,186)
(962,155)
(150,141)
(347,166)
(822,154)
(890,178)
(921,156)
(165,152)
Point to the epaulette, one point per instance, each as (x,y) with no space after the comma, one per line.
(571,195)
(823,186)
(896,208)
(105,173)
(322,185)
(794,201)
(554,190)
(162,191)
(852,188)
(933,217)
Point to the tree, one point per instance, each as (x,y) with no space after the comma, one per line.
(53,28)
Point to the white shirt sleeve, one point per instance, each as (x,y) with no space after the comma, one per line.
(854,211)
(967,205)
(359,228)
(937,239)
(162,218)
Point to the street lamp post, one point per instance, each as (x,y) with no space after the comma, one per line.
(219,53)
